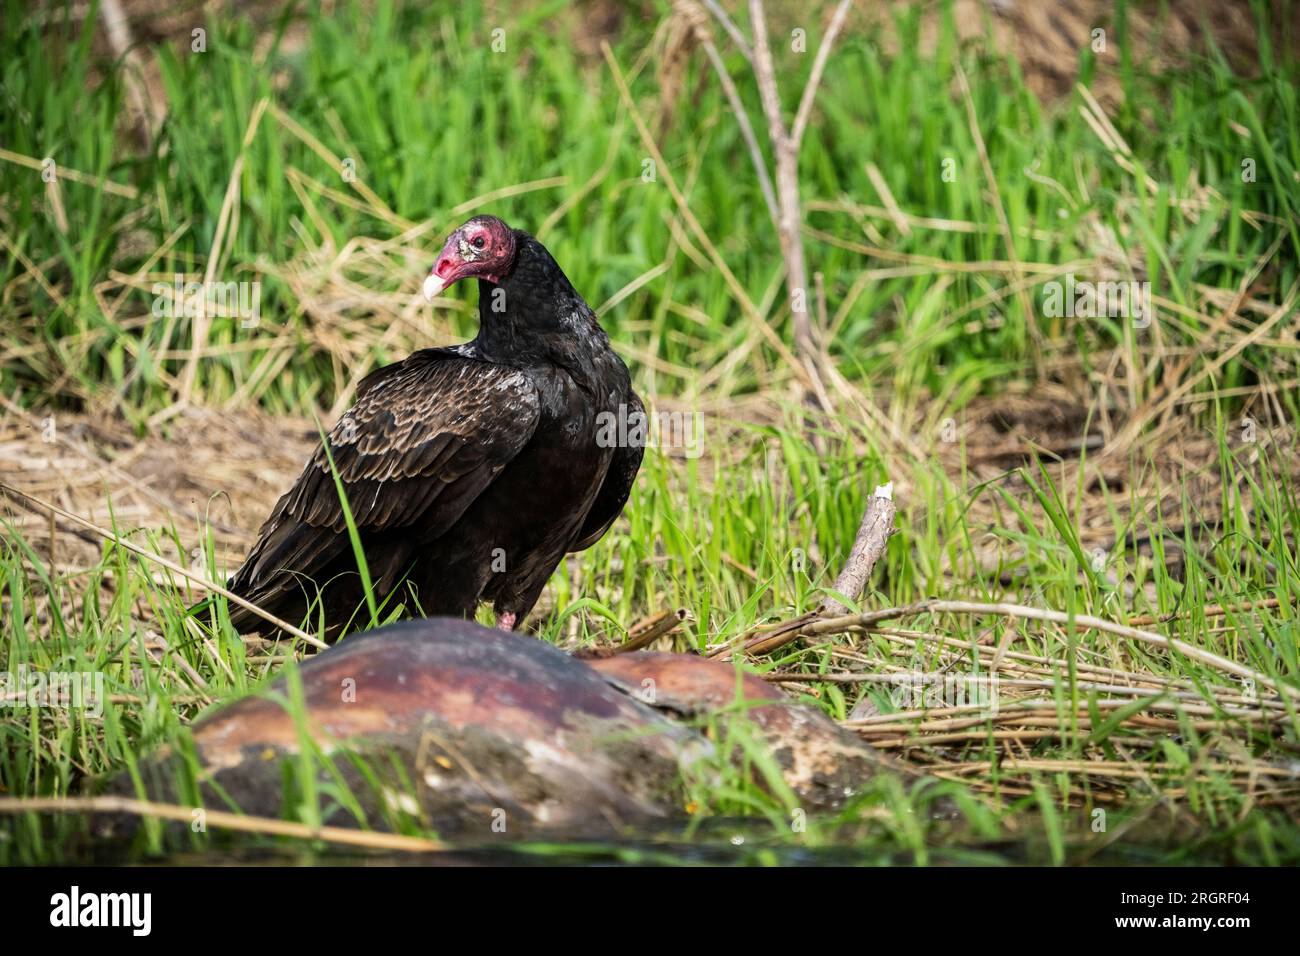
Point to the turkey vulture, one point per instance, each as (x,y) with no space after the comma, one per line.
(470,471)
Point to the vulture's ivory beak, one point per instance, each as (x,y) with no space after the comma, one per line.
(433,286)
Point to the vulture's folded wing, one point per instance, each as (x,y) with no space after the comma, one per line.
(423,440)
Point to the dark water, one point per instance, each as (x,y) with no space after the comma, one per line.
(733,843)
(943,837)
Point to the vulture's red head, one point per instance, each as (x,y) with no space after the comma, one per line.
(483,248)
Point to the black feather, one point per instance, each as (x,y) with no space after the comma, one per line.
(470,471)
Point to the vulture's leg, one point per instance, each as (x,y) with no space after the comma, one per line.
(506,621)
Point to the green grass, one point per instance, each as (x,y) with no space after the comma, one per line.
(755,530)
(433,117)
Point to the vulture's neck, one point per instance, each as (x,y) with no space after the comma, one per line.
(535,315)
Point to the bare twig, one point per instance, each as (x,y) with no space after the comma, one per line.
(742,298)
(1081,621)
(639,636)
(873,534)
(815,78)
(1213,610)
(789,212)
(732,30)
(808,626)
(647,631)
(742,118)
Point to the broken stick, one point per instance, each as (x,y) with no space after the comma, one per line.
(873,534)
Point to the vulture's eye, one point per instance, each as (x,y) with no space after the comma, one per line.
(478,242)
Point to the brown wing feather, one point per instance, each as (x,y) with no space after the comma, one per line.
(423,440)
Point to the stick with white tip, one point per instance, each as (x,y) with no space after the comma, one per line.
(873,534)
